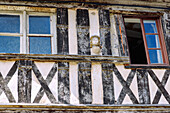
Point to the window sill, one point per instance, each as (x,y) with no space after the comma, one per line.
(165,66)
(65,58)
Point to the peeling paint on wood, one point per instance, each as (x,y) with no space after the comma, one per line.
(123,91)
(159,93)
(83,32)
(44,86)
(104,20)
(43,90)
(63,83)
(143,87)
(62,31)
(166,31)
(85,88)
(121,35)
(24,81)
(108,83)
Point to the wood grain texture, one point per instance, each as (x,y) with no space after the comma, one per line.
(85,83)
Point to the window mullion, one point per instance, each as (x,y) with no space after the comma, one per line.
(54,34)
(145,42)
(24,31)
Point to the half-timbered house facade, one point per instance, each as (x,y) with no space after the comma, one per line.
(84,56)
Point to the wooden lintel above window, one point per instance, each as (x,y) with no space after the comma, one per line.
(65,58)
(27,8)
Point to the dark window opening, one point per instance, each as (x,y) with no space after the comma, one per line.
(144,41)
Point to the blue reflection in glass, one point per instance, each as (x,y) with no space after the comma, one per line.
(153,41)
(150,26)
(155,56)
(39,24)
(10,23)
(40,45)
(9,44)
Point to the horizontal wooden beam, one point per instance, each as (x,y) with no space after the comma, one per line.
(27,8)
(65,58)
(87,107)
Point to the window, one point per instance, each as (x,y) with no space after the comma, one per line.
(145,42)
(39,35)
(9,33)
(26,32)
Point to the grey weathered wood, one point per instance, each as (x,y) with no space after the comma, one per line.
(115,47)
(62,16)
(85,85)
(108,83)
(166,31)
(49,78)
(44,85)
(82,17)
(4,81)
(121,35)
(63,83)
(159,85)
(24,81)
(125,85)
(68,58)
(158,94)
(104,18)
(62,40)
(128,81)
(83,32)
(143,87)
(62,31)
(104,21)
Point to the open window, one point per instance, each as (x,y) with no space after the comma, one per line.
(145,41)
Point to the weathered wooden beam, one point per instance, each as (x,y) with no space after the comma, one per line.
(108,83)
(85,83)
(67,58)
(83,32)
(62,32)
(86,108)
(63,83)
(24,81)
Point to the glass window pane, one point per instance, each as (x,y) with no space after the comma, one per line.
(135,41)
(155,56)
(153,41)
(9,44)
(150,26)
(39,24)
(10,23)
(40,45)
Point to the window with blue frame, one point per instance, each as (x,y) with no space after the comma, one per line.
(37,38)
(145,42)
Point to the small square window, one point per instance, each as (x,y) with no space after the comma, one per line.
(145,42)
